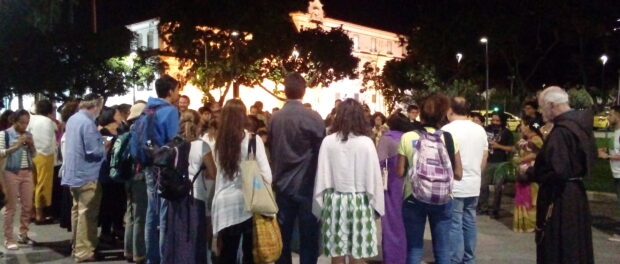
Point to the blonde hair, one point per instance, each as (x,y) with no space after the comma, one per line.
(188,126)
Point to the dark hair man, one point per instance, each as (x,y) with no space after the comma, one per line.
(43,130)
(165,128)
(295,135)
(531,114)
(501,143)
(612,153)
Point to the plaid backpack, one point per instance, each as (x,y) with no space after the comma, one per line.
(431,175)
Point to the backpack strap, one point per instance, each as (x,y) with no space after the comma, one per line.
(150,124)
(450,147)
(252,147)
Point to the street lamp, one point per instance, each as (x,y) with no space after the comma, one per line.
(604,60)
(485,42)
(459,57)
(234,35)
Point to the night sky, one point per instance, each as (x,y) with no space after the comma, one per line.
(392,15)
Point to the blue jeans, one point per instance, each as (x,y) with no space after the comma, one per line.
(463,230)
(439,217)
(156,211)
(309,229)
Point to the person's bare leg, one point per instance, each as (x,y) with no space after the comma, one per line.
(39,217)
(338,260)
(357,261)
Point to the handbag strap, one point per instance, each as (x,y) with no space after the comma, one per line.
(252,147)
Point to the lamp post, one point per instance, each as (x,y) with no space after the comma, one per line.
(485,42)
(459,57)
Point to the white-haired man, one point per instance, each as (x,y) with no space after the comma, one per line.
(563,232)
(83,154)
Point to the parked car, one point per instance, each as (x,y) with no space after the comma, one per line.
(512,121)
(601,121)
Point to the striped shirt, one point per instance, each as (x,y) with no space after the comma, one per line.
(3,147)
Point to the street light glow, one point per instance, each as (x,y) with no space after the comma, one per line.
(604,59)
(295,54)
(234,33)
(484,40)
(459,57)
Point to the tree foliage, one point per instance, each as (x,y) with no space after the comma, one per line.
(213,57)
(532,43)
(51,51)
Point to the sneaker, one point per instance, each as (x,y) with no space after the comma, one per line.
(24,240)
(614,238)
(11,245)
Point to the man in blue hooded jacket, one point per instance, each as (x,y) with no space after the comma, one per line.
(165,127)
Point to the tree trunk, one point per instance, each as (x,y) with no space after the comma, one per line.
(236,85)
(223,96)
(20,101)
(271,93)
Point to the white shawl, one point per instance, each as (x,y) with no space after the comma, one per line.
(348,167)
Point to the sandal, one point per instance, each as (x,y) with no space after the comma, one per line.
(11,245)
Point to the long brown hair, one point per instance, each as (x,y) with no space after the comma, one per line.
(350,118)
(229,136)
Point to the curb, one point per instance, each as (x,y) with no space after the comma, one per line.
(602,197)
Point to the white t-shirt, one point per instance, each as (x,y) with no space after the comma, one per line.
(43,131)
(615,149)
(203,189)
(472,144)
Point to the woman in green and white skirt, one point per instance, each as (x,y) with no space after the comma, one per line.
(348,193)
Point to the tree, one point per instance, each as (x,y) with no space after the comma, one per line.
(536,43)
(56,54)
(239,42)
(404,81)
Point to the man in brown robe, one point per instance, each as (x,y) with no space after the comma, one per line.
(563,232)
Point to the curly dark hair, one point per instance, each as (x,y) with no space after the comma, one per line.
(378,114)
(230,136)
(350,119)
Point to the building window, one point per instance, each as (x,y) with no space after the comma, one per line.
(373,45)
(356,42)
(149,39)
(389,47)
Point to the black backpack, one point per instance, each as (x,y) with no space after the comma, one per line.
(170,166)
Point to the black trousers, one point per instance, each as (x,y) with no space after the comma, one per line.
(230,243)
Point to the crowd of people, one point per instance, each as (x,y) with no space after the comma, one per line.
(332,179)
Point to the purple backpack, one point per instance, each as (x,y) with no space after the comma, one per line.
(431,175)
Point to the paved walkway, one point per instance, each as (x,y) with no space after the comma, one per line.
(496,242)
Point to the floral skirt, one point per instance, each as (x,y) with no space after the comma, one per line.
(348,225)
(524,219)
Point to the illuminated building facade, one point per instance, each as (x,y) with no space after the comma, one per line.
(369,45)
